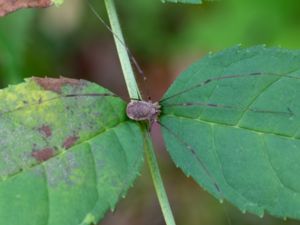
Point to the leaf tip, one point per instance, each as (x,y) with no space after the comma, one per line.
(261,215)
(89,219)
(58,2)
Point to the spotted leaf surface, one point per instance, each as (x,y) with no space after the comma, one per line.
(67,152)
(234,126)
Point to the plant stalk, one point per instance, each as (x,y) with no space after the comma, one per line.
(134,93)
(131,83)
(157,181)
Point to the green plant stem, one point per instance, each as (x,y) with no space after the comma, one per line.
(134,93)
(158,183)
(131,83)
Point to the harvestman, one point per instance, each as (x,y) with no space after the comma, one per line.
(141,110)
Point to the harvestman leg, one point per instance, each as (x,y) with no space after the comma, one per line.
(206,82)
(213,105)
(41,101)
(193,151)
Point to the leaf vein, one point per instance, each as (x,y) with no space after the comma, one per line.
(267,154)
(233,126)
(254,100)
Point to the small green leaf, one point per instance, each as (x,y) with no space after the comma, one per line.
(58,2)
(66,154)
(240,134)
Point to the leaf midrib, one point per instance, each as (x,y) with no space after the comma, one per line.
(213,123)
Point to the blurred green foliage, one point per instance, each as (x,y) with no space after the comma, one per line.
(14,33)
(154,31)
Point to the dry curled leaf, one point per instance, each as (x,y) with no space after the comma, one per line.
(8,6)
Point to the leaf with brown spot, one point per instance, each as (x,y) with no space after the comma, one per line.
(39,120)
(70,141)
(43,155)
(45,130)
(55,85)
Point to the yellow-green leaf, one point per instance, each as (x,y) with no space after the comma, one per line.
(67,152)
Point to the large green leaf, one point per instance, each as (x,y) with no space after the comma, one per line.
(65,157)
(249,146)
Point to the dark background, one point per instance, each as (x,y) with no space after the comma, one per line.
(165,39)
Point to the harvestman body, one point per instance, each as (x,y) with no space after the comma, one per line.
(140,110)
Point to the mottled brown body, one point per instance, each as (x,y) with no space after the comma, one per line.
(143,110)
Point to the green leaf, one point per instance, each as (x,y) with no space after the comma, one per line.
(248,146)
(66,157)
(184,1)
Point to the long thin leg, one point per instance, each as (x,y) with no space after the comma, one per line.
(205,82)
(213,180)
(193,151)
(213,105)
(41,101)
(131,56)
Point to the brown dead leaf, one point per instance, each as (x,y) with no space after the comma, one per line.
(8,6)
